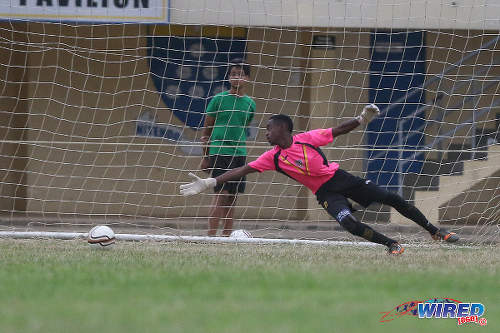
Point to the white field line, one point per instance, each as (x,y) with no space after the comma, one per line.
(199,239)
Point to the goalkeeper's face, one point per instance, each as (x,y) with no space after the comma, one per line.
(275,131)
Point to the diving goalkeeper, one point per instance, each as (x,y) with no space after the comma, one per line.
(300,158)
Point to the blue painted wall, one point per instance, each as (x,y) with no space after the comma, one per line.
(397,67)
(186,79)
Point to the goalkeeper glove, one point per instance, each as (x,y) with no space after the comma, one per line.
(369,112)
(199,185)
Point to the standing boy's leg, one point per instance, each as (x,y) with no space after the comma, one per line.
(232,188)
(222,209)
(216,213)
(230,200)
(223,204)
(219,164)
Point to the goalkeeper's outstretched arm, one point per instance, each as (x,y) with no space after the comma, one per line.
(200,184)
(235,174)
(369,112)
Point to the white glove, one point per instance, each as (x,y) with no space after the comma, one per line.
(199,185)
(369,112)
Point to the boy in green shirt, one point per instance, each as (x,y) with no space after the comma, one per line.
(227,116)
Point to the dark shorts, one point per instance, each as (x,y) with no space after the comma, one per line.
(221,164)
(333,194)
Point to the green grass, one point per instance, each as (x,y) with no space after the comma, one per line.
(64,286)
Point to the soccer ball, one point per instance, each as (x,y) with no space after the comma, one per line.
(240,234)
(101,236)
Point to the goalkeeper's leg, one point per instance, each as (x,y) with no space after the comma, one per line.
(409,211)
(413,213)
(338,207)
(365,192)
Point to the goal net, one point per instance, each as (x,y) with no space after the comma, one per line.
(102,111)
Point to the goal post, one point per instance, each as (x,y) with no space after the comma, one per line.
(103,114)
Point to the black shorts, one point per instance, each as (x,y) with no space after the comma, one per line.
(221,164)
(333,194)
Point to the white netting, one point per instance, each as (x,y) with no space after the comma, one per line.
(101,122)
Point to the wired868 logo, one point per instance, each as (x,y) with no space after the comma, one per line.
(439,308)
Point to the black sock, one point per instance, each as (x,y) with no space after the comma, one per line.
(375,236)
(362,230)
(409,211)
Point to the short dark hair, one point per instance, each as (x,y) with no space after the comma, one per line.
(283,119)
(240,63)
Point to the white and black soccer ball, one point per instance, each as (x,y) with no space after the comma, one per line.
(101,236)
(240,233)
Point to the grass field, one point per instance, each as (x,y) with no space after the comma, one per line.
(63,286)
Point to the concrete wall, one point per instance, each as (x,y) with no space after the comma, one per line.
(465,90)
(84,97)
(392,14)
(462,102)
(477,205)
(13,110)
(83,88)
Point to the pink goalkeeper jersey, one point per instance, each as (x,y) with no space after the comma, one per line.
(299,161)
